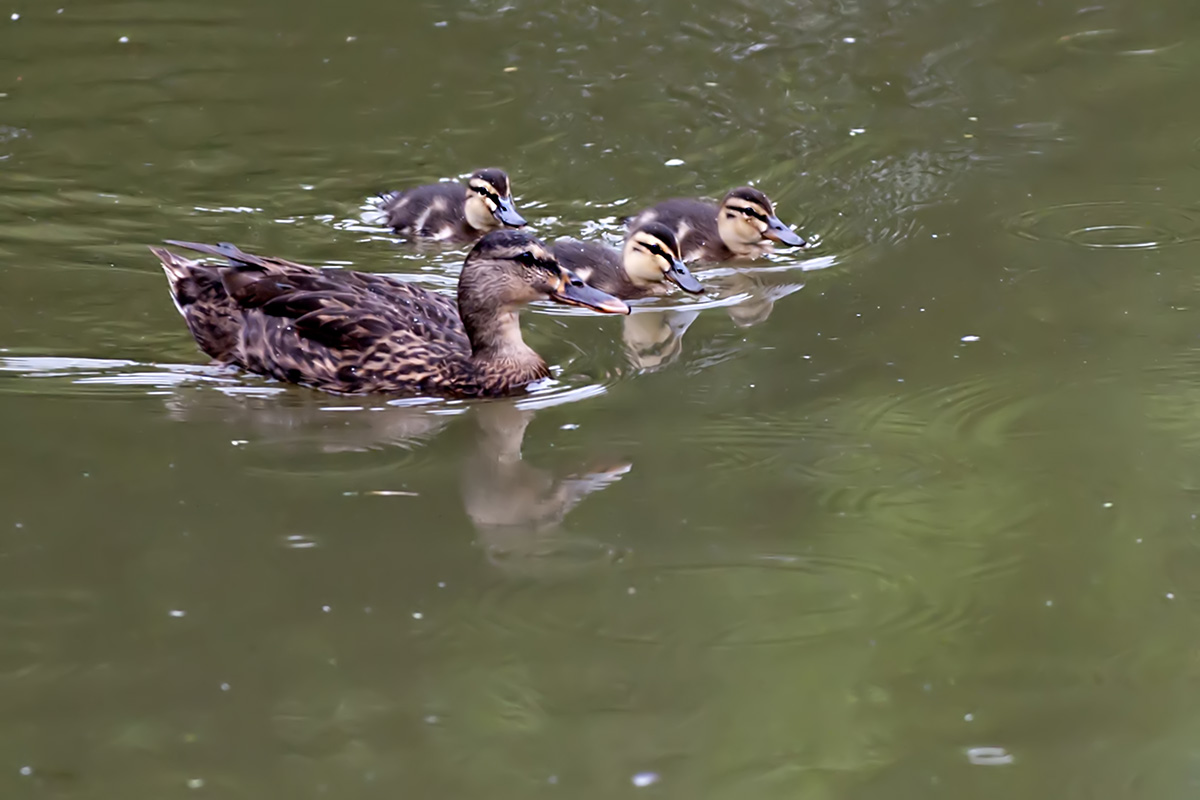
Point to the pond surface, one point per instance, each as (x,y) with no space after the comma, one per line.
(913,514)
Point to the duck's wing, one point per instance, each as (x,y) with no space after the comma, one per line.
(241,281)
(346,331)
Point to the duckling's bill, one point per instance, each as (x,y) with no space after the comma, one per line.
(782,233)
(682,277)
(506,212)
(575,292)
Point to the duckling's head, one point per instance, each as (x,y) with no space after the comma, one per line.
(489,201)
(746,220)
(651,255)
(509,268)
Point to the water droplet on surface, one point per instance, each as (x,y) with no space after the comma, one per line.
(27,771)
(418,615)
(124,40)
(298,542)
(177,612)
(989,756)
(970,339)
(674,162)
(195,783)
(644,779)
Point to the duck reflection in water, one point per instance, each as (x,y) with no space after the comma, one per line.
(516,508)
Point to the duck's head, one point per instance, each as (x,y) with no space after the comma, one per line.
(651,255)
(508,268)
(746,221)
(489,201)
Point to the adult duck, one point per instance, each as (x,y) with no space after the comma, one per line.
(356,332)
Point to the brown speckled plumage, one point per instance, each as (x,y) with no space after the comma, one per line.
(354,332)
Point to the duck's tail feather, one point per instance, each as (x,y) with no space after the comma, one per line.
(179,273)
(234,254)
(199,296)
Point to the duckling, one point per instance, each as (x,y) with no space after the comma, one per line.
(355,332)
(453,211)
(742,226)
(648,260)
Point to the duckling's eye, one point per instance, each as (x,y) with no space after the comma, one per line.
(576,281)
(750,212)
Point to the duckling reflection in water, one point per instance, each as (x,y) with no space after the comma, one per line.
(653,339)
(743,225)
(516,507)
(451,211)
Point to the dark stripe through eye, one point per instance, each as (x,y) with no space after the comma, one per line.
(658,251)
(750,212)
(488,194)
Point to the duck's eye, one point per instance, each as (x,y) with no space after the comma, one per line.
(527,258)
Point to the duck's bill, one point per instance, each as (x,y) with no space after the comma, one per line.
(682,277)
(506,212)
(782,233)
(587,297)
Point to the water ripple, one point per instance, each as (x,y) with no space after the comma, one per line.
(777,599)
(1114,42)
(1109,225)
